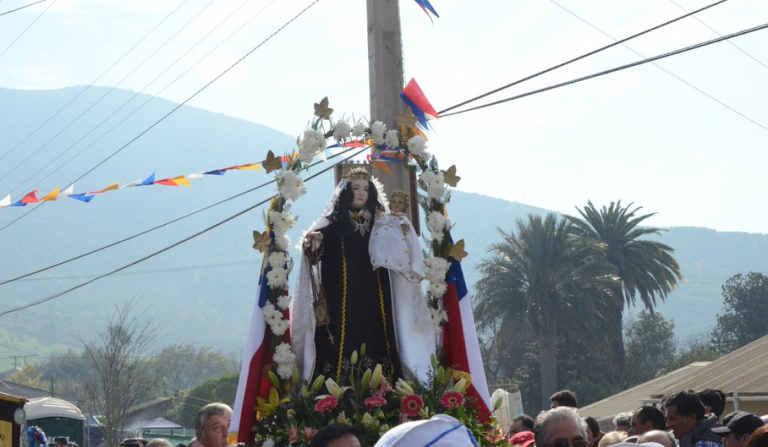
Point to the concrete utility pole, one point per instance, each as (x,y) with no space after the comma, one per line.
(385,72)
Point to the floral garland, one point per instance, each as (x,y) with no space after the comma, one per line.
(34,437)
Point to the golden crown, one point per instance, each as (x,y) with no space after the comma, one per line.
(358,172)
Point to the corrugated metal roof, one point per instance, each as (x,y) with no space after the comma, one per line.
(630,399)
(748,365)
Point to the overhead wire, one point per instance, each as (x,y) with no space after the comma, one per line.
(139,92)
(613,70)
(172,110)
(167,248)
(94,81)
(535,75)
(23,7)
(36,151)
(27,28)
(157,227)
(664,69)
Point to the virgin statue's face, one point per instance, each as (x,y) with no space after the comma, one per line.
(397,205)
(359,193)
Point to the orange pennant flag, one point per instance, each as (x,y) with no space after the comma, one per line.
(181,180)
(51,196)
(112,187)
(382,166)
(249,167)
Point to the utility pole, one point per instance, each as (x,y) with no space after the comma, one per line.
(385,72)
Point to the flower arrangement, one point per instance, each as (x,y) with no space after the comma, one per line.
(33,437)
(365,399)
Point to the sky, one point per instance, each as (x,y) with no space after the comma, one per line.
(688,143)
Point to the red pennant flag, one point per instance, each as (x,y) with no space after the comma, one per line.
(30,198)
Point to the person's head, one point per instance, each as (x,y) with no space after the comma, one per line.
(194,443)
(560,427)
(336,435)
(683,411)
(622,421)
(212,425)
(564,398)
(522,439)
(713,400)
(739,429)
(358,193)
(647,418)
(521,423)
(60,441)
(159,442)
(759,438)
(612,437)
(439,430)
(593,431)
(399,201)
(662,437)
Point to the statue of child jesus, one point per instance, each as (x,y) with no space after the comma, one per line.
(394,244)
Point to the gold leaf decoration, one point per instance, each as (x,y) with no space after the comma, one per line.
(272,163)
(406,118)
(450,176)
(457,251)
(322,110)
(261,240)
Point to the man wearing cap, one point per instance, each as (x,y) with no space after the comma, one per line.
(522,439)
(739,429)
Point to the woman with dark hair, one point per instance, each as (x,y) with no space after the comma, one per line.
(341,301)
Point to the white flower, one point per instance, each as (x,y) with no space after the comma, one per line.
(269,311)
(437,289)
(283,354)
(377,132)
(277,259)
(269,442)
(417,145)
(435,183)
(383,429)
(438,265)
(279,327)
(436,221)
(284,302)
(282,241)
(341,130)
(393,139)
(290,186)
(277,278)
(272,317)
(358,130)
(281,222)
(342,419)
(285,370)
(311,144)
(439,316)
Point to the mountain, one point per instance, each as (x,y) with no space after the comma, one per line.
(202,291)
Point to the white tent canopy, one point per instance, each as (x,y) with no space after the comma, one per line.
(51,407)
(160,424)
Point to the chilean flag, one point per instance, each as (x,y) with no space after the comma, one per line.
(254,381)
(460,345)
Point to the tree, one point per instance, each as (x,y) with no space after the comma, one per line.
(646,268)
(697,348)
(745,314)
(650,346)
(180,367)
(121,377)
(544,278)
(222,389)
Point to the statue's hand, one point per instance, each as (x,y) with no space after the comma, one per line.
(313,241)
(379,213)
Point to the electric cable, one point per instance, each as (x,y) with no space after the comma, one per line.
(36,151)
(28,27)
(613,70)
(19,9)
(138,93)
(664,69)
(158,226)
(93,82)
(169,247)
(579,58)
(173,110)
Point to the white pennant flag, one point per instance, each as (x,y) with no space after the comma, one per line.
(6,201)
(68,191)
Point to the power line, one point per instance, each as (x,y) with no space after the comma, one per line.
(36,151)
(578,58)
(664,69)
(26,6)
(139,92)
(155,227)
(28,27)
(163,250)
(93,82)
(175,108)
(714,31)
(634,64)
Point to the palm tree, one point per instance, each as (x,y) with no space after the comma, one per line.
(543,277)
(647,268)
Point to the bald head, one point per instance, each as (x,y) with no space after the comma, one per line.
(661,437)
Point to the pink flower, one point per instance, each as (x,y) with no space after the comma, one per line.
(412,404)
(374,402)
(327,404)
(309,433)
(293,435)
(384,388)
(452,399)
